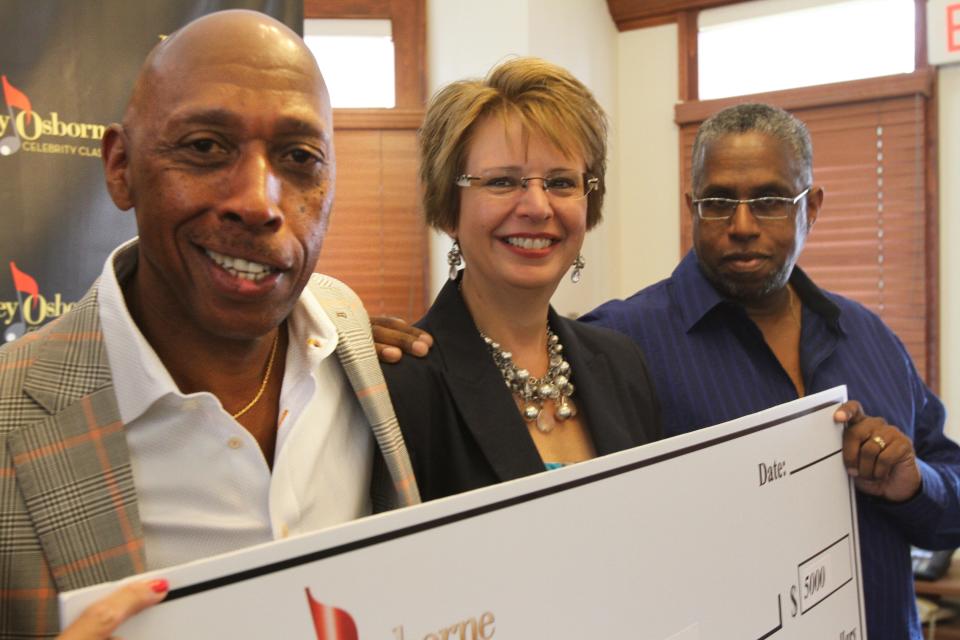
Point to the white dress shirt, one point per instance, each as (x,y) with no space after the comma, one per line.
(203,485)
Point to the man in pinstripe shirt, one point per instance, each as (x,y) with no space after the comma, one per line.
(210,392)
(738,328)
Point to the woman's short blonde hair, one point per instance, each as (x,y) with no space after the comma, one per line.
(548,101)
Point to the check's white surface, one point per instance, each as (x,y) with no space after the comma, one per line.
(678,539)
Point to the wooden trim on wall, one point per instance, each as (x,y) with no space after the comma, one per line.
(377,118)
(920,60)
(643,23)
(636,14)
(918,82)
(410,28)
(408,19)
(922,63)
(346,9)
(688,35)
(933,240)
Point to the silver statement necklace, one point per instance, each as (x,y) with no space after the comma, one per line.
(533,392)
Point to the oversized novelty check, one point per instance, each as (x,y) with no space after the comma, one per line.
(745,530)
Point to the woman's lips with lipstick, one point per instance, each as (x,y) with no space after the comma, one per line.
(529,242)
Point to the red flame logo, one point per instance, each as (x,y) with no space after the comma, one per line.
(331,623)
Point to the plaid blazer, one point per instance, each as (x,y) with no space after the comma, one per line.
(68,505)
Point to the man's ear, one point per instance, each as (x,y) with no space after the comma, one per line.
(115,148)
(814,202)
(688,197)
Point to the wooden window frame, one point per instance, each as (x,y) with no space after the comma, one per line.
(409,28)
(636,14)
(390,134)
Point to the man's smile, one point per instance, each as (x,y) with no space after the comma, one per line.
(240,268)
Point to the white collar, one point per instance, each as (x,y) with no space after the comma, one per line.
(139,377)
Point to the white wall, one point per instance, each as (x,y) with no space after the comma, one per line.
(949,164)
(648,159)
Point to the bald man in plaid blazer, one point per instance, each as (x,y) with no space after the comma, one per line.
(69,515)
(225,155)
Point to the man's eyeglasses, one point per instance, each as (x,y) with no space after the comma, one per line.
(765,208)
(561,185)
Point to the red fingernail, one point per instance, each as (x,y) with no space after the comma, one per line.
(160,586)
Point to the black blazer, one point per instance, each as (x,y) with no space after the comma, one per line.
(461,425)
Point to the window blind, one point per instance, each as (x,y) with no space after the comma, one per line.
(377,241)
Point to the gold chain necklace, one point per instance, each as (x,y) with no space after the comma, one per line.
(266,378)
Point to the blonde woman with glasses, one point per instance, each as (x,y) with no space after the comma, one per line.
(512,168)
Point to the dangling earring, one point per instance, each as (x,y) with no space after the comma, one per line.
(578,266)
(454,259)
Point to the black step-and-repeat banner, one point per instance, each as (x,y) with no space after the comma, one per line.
(66,71)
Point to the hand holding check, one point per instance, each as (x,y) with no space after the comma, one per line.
(878,455)
(101,619)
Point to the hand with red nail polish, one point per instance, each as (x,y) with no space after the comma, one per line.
(101,619)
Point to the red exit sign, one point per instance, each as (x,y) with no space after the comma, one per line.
(953,27)
(943,31)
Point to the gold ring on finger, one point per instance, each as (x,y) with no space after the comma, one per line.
(880,442)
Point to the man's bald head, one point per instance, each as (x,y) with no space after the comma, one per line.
(202,48)
(226,156)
